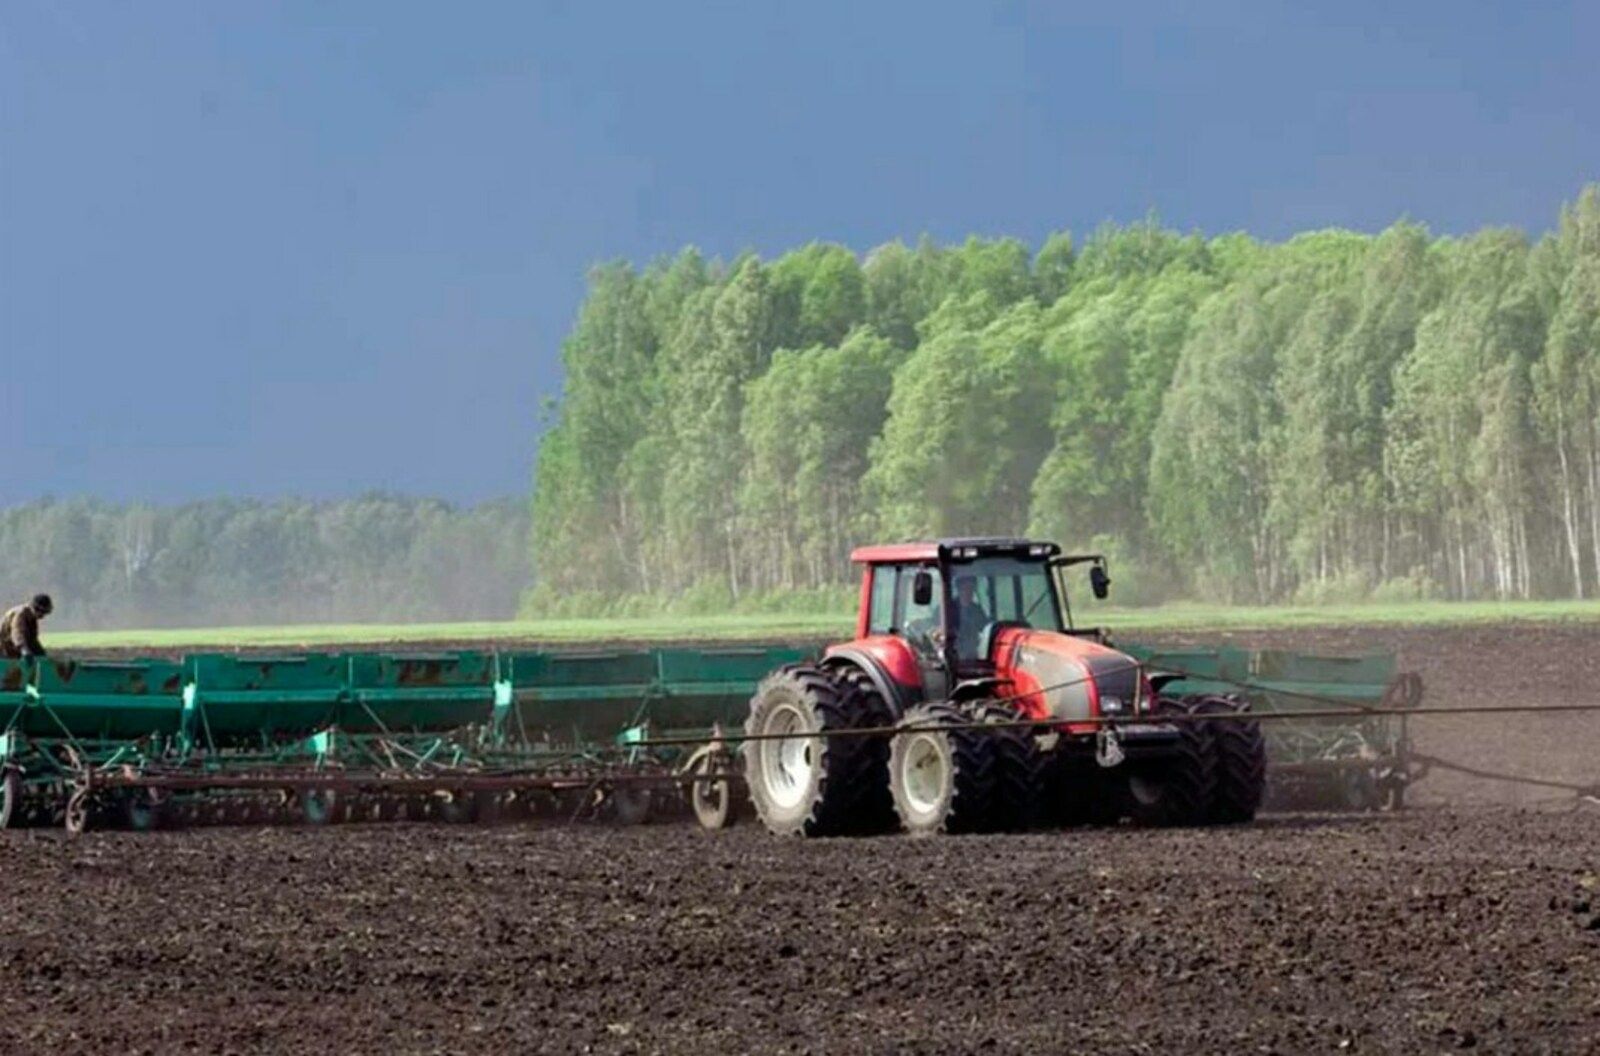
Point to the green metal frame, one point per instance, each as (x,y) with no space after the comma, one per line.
(410,717)
(391,717)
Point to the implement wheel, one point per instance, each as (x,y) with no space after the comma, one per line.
(456,807)
(1356,788)
(711,800)
(629,804)
(319,806)
(942,779)
(10,797)
(76,817)
(808,785)
(142,809)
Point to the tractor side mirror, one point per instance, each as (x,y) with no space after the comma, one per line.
(1099,582)
(922,588)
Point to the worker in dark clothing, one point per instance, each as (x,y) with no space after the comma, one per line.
(970,618)
(19,629)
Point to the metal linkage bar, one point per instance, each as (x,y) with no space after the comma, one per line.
(1136,720)
(327,780)
(1587,791)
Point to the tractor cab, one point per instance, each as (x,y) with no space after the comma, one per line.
(949,602)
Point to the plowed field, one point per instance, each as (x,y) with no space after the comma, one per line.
(1469,922)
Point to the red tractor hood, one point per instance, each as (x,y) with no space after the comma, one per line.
(1064,677)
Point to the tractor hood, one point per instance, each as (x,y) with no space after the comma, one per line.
(1068,678)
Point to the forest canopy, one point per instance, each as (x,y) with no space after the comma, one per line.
(1337,416)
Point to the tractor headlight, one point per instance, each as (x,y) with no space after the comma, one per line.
(1111,705)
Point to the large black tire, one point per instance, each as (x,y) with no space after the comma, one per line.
(1076,792)
(1178,788)
(1239,753)
(942,776)
(1019,769)
(874,806)
(810,785)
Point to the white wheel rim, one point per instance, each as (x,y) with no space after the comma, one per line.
(787,764)
(925,773)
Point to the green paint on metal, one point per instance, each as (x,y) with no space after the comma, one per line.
(1278,681)
(419,712)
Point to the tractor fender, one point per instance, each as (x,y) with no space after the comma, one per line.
(900,698)
(977,689)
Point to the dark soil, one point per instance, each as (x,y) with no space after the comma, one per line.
(1467,926)
(1421,932)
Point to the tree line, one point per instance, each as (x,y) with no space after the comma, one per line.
(233,562)
(1337,416)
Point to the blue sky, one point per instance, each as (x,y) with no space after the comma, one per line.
(316,249)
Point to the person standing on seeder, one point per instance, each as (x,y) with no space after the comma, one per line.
(19,629)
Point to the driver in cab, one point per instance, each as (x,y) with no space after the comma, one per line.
(969,618)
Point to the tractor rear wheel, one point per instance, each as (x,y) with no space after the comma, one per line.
(1019,769)
(942,772)
(803,784)
(1175,789)
(1240,758)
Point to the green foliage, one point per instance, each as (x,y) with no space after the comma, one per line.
(968,426)
(1336,416)
(809,423)
(818,295)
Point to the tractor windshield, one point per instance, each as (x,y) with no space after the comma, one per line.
(995,590)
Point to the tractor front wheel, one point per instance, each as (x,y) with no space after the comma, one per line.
(942,772)
(1178,788)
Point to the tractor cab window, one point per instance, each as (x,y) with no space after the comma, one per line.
(991,591)
(880,614)
(920,623)
(970,612)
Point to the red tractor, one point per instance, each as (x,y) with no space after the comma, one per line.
(962,634)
